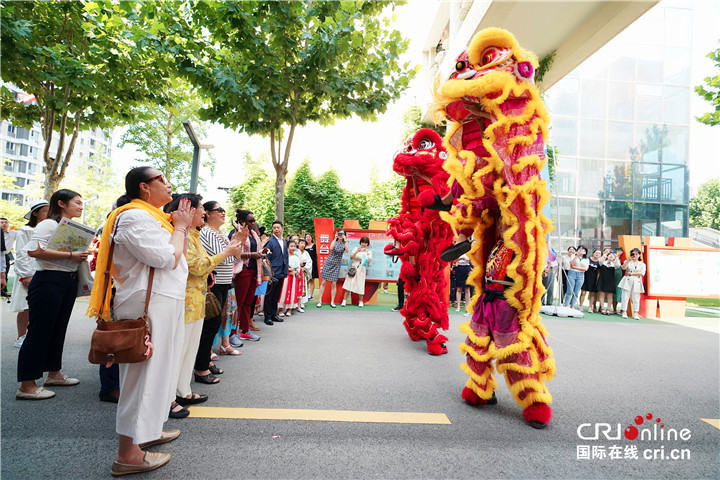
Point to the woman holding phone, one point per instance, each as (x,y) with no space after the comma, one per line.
(331,268)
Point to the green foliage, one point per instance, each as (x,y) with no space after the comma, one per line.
(544,66)
(705,206)
(87,63)
(279,65)
(412,122)
(158,133)
(14,212)
(711,92)
(308,197)
(98,183)
(255,193)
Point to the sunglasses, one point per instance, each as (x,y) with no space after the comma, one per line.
(160,177)
(219,210)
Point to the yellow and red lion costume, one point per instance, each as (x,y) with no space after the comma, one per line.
(420,236)
(497,126)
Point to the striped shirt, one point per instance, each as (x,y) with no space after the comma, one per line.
(215,243)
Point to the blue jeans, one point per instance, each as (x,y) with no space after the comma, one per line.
(574,284)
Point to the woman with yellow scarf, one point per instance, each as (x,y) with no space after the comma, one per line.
(146,237)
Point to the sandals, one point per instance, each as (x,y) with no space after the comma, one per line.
(229,350)
(182,413)
(215,370)
(208,379)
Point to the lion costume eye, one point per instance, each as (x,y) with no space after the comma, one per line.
(494,55)
(425,144)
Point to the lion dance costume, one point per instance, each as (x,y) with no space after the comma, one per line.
(420,235)
(495,142)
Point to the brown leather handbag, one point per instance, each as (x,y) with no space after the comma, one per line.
(121,341)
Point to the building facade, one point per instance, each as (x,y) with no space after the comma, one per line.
(620,119)
(620,124)
(22,154)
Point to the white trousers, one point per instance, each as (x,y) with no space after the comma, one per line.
(187,358)
(626,296)
(148,388)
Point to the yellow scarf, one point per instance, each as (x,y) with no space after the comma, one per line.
(96,296)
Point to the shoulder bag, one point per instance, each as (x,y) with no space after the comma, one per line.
(121,341)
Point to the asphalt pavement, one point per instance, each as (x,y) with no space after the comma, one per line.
(609,372)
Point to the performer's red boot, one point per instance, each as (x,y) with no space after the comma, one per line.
(538,415)
(436,346)
(472,398)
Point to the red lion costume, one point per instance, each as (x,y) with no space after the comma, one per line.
(420,236)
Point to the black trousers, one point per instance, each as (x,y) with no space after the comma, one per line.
(272,297)
(51,297)
(211,326)
(401,292)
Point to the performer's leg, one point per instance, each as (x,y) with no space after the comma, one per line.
(528,389)
(480,387)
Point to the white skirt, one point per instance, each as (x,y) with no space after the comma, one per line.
(18,301)
(148,388)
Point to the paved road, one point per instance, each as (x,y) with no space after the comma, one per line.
(352,359)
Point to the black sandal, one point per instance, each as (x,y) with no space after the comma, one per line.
(208,379)
(439,205)
(453,252)
(215,370)
(193,400)
(182,413)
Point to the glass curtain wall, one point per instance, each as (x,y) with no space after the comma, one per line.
(620,124)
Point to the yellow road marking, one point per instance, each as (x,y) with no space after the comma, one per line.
(715,422)
(318,415)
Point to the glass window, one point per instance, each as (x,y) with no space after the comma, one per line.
(32,168)
(650,142)
(649,103)
(677,66)
(619,140)
(674,184)
(645,219)
(20,182)
(22,166)
(676,145)
(566,163)
(623,69)
(8,165)
(673,221)
(565,182)
(650,65)
(592,138)
(618,180)
(564,97)
(617,218)
(590,217)
(646,182)
(564,135)
(566,222)
(678,25)
(591,180)
(621,101)
(593,98)
(677,105)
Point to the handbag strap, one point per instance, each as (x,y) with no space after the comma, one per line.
(107,275)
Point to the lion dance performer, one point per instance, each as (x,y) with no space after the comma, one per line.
(420,236)
(495,143)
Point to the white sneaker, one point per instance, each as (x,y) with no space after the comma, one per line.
(360,304)
(18,343)
(624,315)
(319,304)
(636,317)
(343,304)
(301,310)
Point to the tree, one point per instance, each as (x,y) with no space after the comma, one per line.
(384,196)
(255,192)
(301,200)
(711,93)
(705,206)
(412,122)
(158,133)
(276,66)
(86,64)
